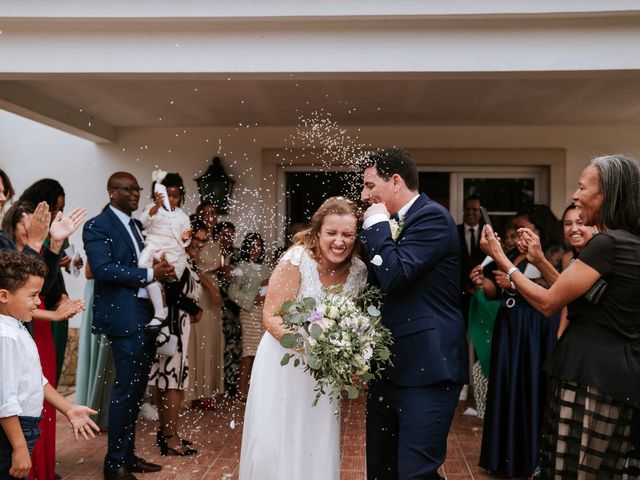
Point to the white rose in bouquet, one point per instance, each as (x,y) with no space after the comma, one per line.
(367,353)
(333,312)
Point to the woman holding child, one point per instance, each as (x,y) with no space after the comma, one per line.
(169,375)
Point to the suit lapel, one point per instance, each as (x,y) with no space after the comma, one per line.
(420,202)
(120,228)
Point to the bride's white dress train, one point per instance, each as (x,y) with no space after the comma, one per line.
(284,437)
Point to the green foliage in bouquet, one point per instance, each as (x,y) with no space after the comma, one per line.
(339,340)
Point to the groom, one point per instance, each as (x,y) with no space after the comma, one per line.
(409,410)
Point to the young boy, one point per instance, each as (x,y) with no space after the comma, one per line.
(22,385)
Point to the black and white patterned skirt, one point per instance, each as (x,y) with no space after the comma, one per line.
(588,435)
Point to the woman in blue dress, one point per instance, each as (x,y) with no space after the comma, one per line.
(522,340)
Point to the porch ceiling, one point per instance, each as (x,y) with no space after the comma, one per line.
(576,99)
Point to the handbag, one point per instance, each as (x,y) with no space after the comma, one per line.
(597,290)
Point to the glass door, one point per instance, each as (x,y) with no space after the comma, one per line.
(503,190)
(503,194)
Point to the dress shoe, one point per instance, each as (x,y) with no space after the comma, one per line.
(141,466)
(122,473)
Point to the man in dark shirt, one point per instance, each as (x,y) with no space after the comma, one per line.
(471,255)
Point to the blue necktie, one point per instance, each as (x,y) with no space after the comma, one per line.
(136,235)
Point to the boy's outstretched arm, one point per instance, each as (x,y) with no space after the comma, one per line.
(77,414)
(20,459)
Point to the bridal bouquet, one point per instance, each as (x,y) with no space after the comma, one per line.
(341,336)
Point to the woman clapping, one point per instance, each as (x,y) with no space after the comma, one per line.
(592,420)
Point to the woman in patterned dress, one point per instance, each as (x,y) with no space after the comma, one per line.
(170,374)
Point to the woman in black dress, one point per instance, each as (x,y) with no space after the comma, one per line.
(224,233)
(592,421)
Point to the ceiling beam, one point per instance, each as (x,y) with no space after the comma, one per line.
(174,46)
(26,102)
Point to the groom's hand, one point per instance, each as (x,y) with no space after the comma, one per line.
(377,209)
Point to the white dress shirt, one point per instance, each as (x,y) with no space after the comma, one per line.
(124,218)
(21,379)
(380,217)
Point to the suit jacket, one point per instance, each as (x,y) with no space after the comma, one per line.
(420,274)
(114,264)
(469,261)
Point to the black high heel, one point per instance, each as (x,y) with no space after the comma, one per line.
(161,439)
(165,449)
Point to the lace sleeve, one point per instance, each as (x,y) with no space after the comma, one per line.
(294,255)
(357,279)
(310,285)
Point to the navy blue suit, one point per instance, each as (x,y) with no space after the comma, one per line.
(409,411)
(121,315)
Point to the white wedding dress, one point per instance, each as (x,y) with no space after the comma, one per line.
(284,437)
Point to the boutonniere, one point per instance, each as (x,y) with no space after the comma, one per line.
(396,228)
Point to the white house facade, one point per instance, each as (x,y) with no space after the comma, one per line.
(495,89)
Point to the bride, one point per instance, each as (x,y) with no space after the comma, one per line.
(284,437)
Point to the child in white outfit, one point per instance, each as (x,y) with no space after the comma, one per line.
(23,387)
(167,233)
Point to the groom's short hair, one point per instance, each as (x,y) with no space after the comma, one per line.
(389,161)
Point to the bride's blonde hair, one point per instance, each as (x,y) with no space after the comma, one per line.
(308,237)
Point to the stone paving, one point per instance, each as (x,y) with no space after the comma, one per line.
(218,435)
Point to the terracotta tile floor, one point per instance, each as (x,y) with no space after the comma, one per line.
(218,436)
